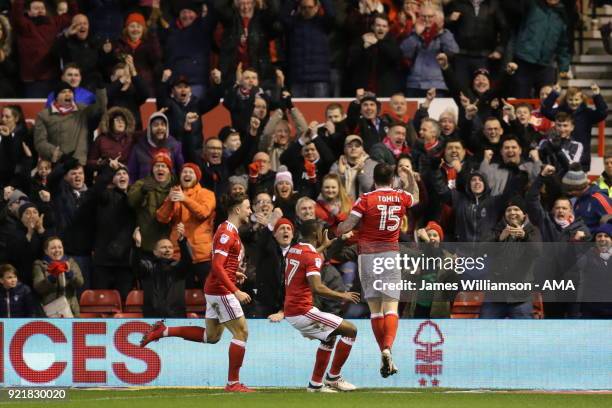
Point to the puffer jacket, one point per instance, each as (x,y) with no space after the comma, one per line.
(308,44)
(425,72)
(69,132)
(197,213)
(17,302)
(542,36)
(109,145)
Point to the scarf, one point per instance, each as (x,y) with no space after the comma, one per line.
(133,44)
(431,146)
(564,223)
(394,149)
(332,207)
(451,174)
(429,34)
(56,267)
(64,110)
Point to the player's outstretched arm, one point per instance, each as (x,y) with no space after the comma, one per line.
(319,288)
(348,224)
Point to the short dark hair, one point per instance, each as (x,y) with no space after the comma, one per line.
(309,229)
(454,139)
(490,118)
(6,268)
(234,200)
(564,117)
(509,137)
(383,174)
(71,65)
(524,105)
(382,16)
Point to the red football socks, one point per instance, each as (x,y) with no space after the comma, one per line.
(378,327)
(390,325)
(191,333)
(323,355)
(343,349)
(236,355)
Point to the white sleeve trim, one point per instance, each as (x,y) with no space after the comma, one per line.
(356,213)
(220,252)
(313,273)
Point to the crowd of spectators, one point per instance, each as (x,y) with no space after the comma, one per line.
(96,196)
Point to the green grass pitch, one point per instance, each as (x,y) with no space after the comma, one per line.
(287,398)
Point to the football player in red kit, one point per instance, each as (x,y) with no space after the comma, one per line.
(223,298)
(380,213)
(302,280)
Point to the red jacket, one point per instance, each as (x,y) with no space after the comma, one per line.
(35,42)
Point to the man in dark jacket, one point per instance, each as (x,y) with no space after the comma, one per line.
(476,211)
(73,207)
(36,33)
(481,32)
(541,39)
(273,244)
(77,46)
(564,228)
(113,240)
(596,276)
(163,278)
(307,24)
(374,60)
(176,95)
(216,169)
(364,119)
(512,257)
(248,27)
(188,46)
(308,159)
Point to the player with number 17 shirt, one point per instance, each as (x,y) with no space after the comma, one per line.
(302,280)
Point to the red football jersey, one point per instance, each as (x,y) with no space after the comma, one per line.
(226,244)
(381,212)
(302,261)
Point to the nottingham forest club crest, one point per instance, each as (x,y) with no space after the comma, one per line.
(429,355)
(224,239)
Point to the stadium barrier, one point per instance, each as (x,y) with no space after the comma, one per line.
(473,354)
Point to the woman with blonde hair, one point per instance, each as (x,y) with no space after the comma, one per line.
(333,204)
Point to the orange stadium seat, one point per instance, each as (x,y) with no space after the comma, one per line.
(134,301)
(467,305)
(105,302)
(195,302)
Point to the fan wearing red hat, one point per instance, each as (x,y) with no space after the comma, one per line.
(148,194)
(193,206)
(142,45)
